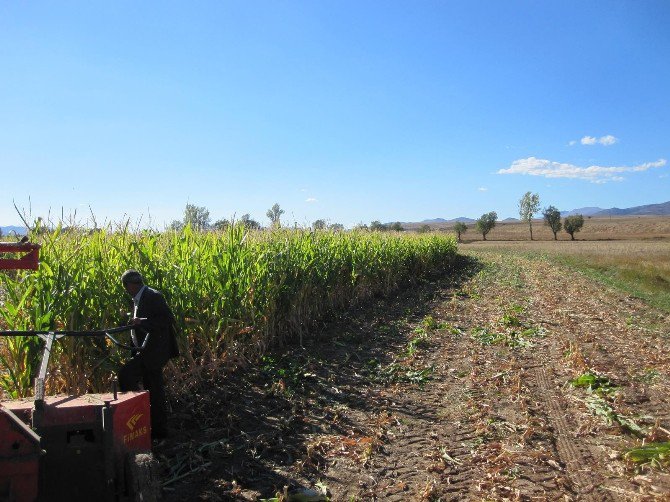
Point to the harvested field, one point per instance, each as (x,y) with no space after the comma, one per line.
(458,389)
(639,267)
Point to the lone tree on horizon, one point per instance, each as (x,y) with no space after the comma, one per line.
(274,213)
(529,204)
(486,223)
(552,218)
(573,224)
(460,228)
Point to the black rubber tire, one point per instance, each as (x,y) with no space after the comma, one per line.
(142,482)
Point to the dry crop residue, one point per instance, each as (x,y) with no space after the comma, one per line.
(457,389)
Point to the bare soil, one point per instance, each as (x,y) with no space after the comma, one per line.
(456,389)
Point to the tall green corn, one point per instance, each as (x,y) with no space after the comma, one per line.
(231,291)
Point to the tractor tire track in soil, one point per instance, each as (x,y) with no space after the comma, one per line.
(455,389)
(576,462)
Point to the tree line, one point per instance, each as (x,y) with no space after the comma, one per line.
(198,218)
(529,205)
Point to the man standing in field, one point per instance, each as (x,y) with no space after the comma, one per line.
(155,335)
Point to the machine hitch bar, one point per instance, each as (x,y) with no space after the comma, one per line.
(107,333)
(50,336)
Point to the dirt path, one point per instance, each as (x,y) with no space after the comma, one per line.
(454,390)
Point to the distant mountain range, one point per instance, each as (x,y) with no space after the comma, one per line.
(584,211)
(662,209)
(454,220)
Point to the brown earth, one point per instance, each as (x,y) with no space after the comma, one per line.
(457,389)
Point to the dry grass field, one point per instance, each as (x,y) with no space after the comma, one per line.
(630,253)
(615,228)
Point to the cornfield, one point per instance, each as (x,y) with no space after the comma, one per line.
(234,293)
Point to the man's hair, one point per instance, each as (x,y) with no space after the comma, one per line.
(132,277)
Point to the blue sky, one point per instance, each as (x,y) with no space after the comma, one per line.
(348,111)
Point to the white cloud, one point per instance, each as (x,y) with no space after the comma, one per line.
(310,199)
(482,189)
(592,140)
(608,140)
(595,174)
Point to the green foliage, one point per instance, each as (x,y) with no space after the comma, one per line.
(460,228)
(429,322)
(600,391)
(319,225)
(378,226)
(529,204)
(486,336)
(600,407)
(594,383)
(397,373)
(424,229)
(573,224)
(509,331)
(552,218)
(249,223)
(420,341)
(656,454)
(486,223)
(221,225)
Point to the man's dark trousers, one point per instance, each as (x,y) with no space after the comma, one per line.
(129,377)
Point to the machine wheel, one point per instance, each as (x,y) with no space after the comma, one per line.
(142,479)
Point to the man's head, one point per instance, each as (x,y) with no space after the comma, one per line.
(132,281)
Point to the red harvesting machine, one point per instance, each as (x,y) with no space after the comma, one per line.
(74,448)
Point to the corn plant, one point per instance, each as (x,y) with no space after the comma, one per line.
(232,292)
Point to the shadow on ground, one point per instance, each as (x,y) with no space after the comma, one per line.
(250,434)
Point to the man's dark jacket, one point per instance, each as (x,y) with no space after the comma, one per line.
(160,324)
